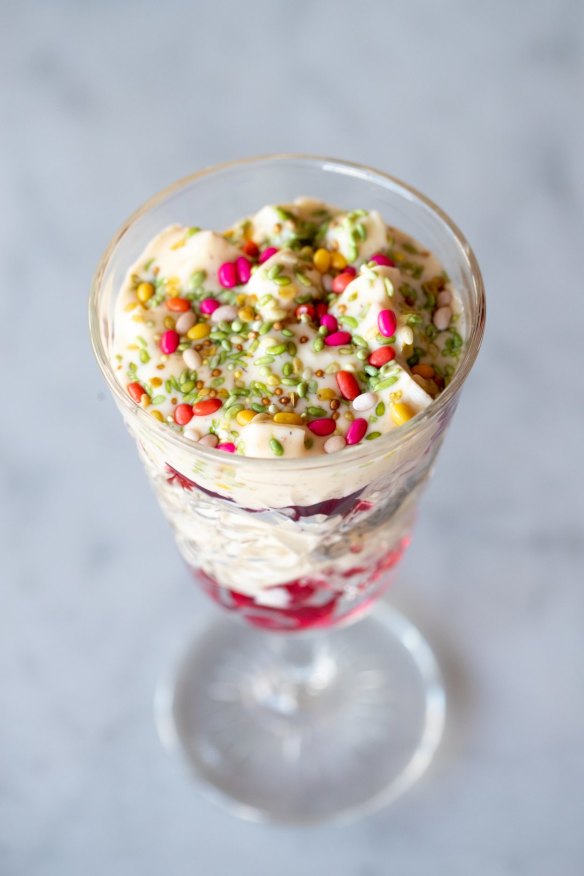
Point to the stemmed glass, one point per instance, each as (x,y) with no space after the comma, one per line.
(297,713)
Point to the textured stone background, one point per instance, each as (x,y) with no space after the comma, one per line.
(479,105)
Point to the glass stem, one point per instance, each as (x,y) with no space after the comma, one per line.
(296,669)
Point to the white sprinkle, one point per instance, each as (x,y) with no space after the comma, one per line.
(327,282)
(364,401)
(406,336)
(444,298)
(441,318)
(191,359)
(209,440)
(334,444)
(225,313)
(192,434)
(307,374)
(185,322)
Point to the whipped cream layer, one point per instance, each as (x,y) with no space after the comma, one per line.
(299,331)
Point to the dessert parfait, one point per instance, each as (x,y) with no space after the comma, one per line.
(307,332)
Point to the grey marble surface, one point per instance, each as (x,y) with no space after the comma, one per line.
(476,104)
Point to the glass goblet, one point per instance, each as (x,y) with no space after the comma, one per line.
(298,713)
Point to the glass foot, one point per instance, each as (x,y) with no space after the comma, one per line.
(306,727)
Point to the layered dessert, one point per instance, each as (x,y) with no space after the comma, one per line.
(299,333)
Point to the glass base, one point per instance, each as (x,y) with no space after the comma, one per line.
(304,728)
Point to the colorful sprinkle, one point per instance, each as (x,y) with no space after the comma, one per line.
(225,313)
(227,447)
(169,342)
(136,391)
(341,282)
(251,249)
(243,270)
(356,431)
(381,356)
(329,322)
(245,417)
(322,426)
(183,414)
(267,254)
(348,386)
(227,275)
(387,323)
(206,407)
(365,401)
(144,292)
(209,440)
(191,359)
(337,339)
(178,305)
(185,322)
(334,444)
(322,260)
(400,413)
(381,259)
(209,305)
(288,419)
(199,331)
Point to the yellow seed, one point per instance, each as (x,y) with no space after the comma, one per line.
(157,416)
(238,374)
(145,401)
(273,380)
(298,365)
(222,393)
(245,314)
(251,299)
(173,281)
(322,260)
(245,417)
(204,392)
(198,332)
(338,261)
(400,413)
(144,292)
(169,322)
(179,243)
(156,381)
(131,306)
(396,395)
(288,419)
(326,394)
(423,370)
(240,300)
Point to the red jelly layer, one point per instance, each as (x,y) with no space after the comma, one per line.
(309,602)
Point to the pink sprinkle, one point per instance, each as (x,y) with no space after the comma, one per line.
(322,426)
(227,275)
(356,431)
(243,268)
(228,447)
(337,339)
(267,254)
(387,322)
(381,259)
(209,305)
(169,342)
(350,270)
(329,322)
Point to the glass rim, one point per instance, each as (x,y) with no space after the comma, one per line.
(388,442)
